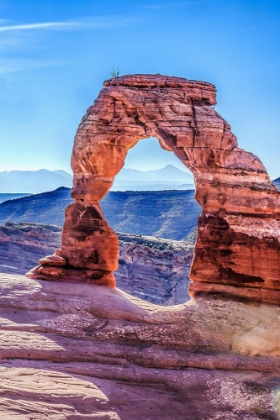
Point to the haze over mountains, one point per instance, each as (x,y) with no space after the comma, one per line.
(167,178)
(34,182)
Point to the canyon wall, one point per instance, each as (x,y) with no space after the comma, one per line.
(150,268)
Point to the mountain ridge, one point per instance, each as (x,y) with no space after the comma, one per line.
(166,214)
(31,182)
(167,173)
(42,180)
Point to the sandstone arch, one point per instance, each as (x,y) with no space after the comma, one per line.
(237,252)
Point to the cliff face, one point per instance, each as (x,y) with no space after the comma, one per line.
(23,244)
(150,268)
(154,269)
(77,351)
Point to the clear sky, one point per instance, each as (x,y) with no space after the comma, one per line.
(55,55)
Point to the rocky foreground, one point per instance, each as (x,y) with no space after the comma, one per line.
(150,268)
(77,351)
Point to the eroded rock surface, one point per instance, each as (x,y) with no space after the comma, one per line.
(150,268)
(78,351)
(237,250)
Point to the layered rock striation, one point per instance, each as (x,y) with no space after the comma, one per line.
(22,245)
(154,269)
(237,249)
(75,350)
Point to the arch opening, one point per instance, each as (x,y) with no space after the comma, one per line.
(155,226)
(230,183)
(148,167)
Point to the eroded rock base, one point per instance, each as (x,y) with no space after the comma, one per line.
(60,274)
(150,268)
(225,292)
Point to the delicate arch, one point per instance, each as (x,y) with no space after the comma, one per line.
(232,186)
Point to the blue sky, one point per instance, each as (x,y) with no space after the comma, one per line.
(55,55)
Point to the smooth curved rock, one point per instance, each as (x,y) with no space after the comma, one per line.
(238,240)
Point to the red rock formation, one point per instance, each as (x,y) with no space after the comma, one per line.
(237,245)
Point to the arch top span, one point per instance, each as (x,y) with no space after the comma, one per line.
(193,89)
(232,187)
(177,111)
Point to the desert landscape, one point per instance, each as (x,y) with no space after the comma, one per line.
(139,210)
(192,332)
